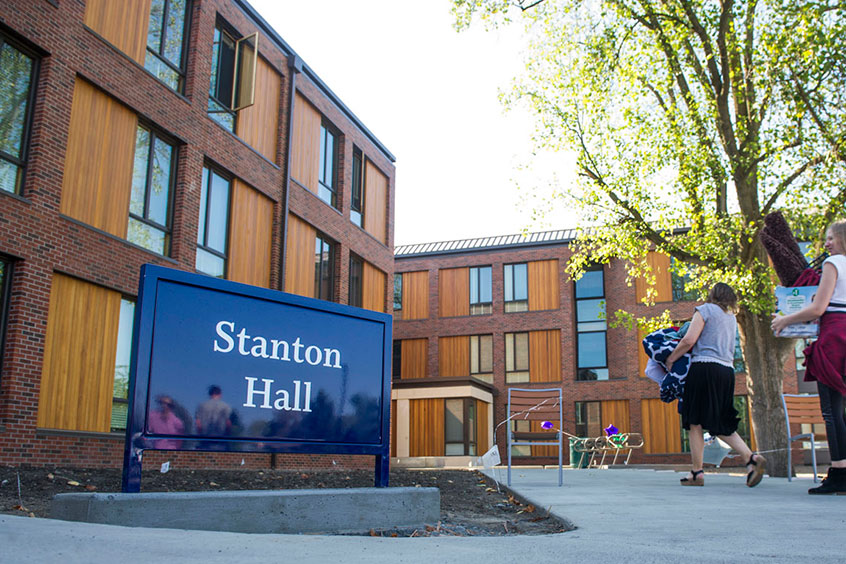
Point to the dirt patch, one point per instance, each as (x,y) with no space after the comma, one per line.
(471,504)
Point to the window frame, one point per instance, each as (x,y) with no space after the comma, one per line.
(5,297)
(581,371)
(222,27)
(356,288)
(167,229)
(210,169)
(478,373)
(115,398)
(515,376)
(357,189)
(326,130)
(678,284)
(181,70)
(396,360)
(514,305)
(470,448)
(330,261)
(398,304)
(582,419)
(479,307)
(34,74)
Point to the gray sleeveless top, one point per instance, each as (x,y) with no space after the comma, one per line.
(716,342)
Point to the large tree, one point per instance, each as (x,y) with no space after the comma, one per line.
(691,120)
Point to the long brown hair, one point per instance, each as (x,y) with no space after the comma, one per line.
(723,295)
(838,232)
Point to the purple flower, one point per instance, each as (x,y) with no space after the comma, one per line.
(611,430)
(546,425)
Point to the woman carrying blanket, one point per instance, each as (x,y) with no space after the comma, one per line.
(708,400)
(825,359)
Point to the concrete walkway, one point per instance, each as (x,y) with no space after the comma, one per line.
(625,515)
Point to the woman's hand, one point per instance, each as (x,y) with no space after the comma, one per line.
(779,323)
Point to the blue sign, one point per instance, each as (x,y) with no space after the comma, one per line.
(218,365)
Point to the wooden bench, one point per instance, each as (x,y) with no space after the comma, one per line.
(536,405)
(803,408)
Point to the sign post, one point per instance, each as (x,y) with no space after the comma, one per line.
(222,366)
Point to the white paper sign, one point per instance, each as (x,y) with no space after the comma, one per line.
(490,458)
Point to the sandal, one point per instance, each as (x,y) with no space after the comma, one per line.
(697,479)
(753,478)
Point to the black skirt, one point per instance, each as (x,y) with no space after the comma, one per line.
(709,398)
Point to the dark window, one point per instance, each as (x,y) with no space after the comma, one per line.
(17,77)
(233,74)
(213,224)
(396,373)
(589,419)
(324,268)
(357,200)
(591,326)
(152,186)
(516,285)
(460,427)
(166,42)
(356,267)
(480,290)
(739,365)
(397,291)
(481,357)
(120,394)
(5,285)
(682,288)
(516,357)
(327,177)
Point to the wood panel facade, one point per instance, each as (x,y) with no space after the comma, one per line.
(251,236)
(661,426)
(545,356)
(98,166)
(305,144)
(123,24)
(299,251)
(375,202)
(543,285)
(258,124)
(415,295)
(454,292)
(616,412)
(373,285)
(454,356)
(663,283)
(426,430)
(77,377)
(414,358)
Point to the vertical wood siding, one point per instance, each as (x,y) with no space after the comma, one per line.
(545,356)
(426,432)
(543,285)
(454,356)
(305,145)
(376,203)
(99,160)
(642,357)
(393,428)
(123,23)
(299,257)
(415,295)
(541,450)
(258,124)
(251,236)
(660,264)
(661,426)
(616,412)
(454,292)
(482,430)
(77,378)
(415,357)
(373,288)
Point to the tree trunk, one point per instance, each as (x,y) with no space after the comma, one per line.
(765,356)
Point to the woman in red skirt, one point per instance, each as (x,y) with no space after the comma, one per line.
(825,358)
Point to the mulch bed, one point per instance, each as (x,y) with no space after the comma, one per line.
(471,503)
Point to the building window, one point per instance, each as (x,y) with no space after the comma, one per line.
(152,185)
(120,394)
(357,199)
(397,292)
(233,75)
(396,372)
(520,426)
(327,177)
(460,427)
(682,290)
(324,268)
(356,268)
(591,326)
(589,419)
(213,224)
(739,365)
(480,290)
(5,285)
(17,76)
(481,357)
(515,282)
(166,42)
(516,358)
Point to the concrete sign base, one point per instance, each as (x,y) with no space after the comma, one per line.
(353,510)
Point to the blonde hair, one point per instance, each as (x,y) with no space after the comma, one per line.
(723,295)
(838,232)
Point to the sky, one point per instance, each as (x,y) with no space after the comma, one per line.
(430,95)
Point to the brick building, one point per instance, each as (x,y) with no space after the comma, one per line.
(475,317)
(183,133)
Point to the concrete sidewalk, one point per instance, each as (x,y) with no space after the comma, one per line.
(621,515)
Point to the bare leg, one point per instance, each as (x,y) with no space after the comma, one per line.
(736,442)
(697,446)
